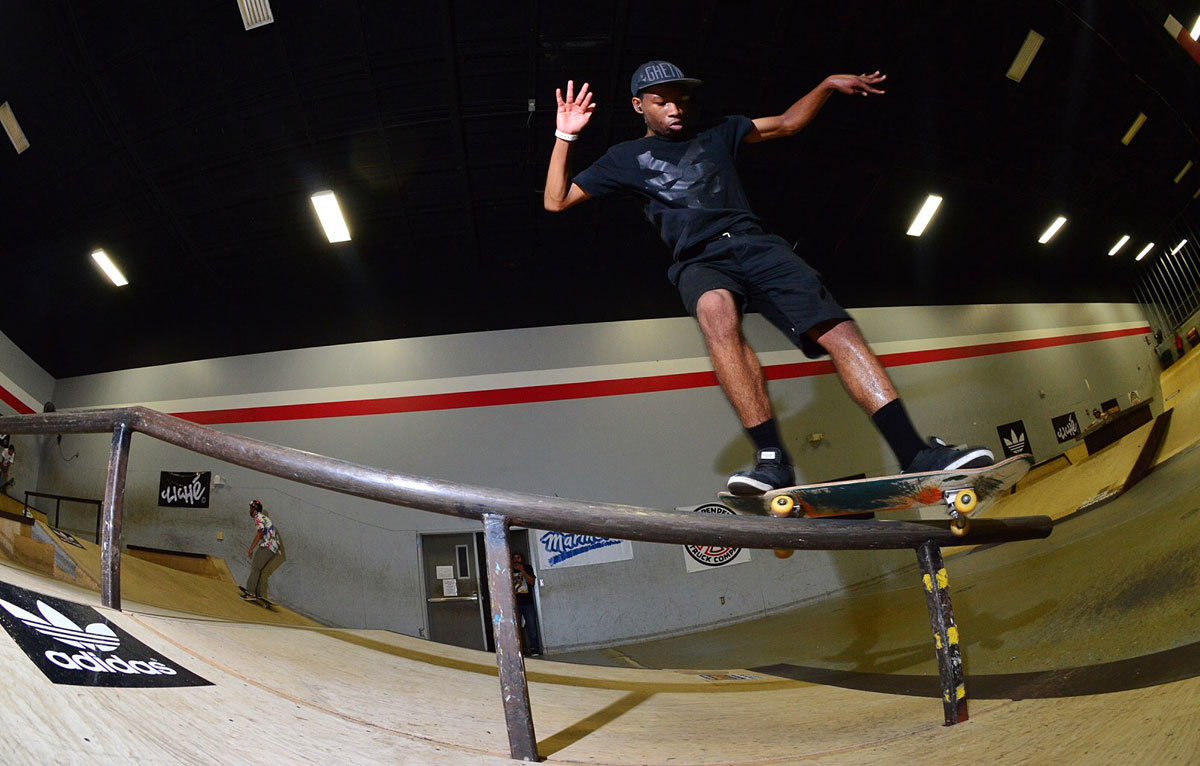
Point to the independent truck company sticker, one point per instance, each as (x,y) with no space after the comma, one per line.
(75,645)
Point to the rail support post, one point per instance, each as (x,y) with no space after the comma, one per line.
(945,632)
(514,688)
(110,518)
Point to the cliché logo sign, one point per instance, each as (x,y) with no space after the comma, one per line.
(75,645)
(183,489)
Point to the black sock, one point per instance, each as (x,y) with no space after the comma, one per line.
(765,435)
(892,421)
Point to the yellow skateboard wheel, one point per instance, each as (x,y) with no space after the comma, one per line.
(959,526)
(781,505)
(965,501)
(783,553)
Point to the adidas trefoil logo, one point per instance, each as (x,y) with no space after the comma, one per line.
(53,623)
(1015,443)
(97,637)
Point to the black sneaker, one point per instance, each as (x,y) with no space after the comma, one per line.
(939,456)
(770,472)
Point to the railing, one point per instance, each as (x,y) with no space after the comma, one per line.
(498,509)
(58,501)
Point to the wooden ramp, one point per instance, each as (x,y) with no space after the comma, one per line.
(1083,648)
(308,695)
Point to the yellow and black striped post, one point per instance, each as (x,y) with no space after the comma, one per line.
(945,632)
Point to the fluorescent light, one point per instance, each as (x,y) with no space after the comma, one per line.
(109,268)
(1195,33)
(13,128)
(1145,250)
(330,214)
(1134,128)
(1120,244)
(1024,56)
(1183,172)
(1179,247)
(924,216)
(1054,227)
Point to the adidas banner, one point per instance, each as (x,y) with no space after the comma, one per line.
(1015,438)
(186,489)
(75,645)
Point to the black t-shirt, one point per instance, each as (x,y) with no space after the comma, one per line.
(690,188)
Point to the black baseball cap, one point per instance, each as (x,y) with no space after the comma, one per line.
(656,73)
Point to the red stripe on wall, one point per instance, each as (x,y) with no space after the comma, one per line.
(12,401)
(594,389)
(1192,47)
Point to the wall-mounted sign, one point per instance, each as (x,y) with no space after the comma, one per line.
(184,489)
(700,558)
(1066,427)
(1014,438)
(567,549)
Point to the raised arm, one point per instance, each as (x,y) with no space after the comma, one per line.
(574,112)
(801,113)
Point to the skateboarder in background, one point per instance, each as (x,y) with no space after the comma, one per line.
(262,551)
(724,263)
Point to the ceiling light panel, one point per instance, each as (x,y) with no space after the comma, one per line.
(330,215)
(109,268)
(1138,122)
(1024,57)
(255,13)
(1145,250)
(13,128)
(1120,244)
(924,216)
(1183,172)
(1049,233)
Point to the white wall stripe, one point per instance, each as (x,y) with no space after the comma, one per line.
(525,378)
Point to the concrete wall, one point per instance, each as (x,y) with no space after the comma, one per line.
(963,370)
(24,387)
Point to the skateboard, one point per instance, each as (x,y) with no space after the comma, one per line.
(962,492)
(268,605)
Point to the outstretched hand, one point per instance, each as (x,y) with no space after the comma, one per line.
(575,110)
(855,85)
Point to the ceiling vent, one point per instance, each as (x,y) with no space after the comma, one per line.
(13,128)
(256,13)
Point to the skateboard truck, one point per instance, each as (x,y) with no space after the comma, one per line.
(960,503)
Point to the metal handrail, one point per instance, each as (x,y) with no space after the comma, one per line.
(497,509)
(58,500)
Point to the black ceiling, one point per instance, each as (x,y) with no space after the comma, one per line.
(187,147)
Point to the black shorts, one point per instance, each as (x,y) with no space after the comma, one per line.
(766,276)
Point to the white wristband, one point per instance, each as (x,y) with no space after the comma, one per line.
(568,137)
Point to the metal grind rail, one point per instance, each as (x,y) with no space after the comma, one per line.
(499,509)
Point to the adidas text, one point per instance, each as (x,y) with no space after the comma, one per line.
(87,661)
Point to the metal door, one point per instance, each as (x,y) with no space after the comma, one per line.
(454,603)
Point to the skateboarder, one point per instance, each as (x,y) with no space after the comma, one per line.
(724,263)
(263,550)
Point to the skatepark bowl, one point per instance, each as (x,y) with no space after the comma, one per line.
(1082,646)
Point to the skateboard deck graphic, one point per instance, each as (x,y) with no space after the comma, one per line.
(962,492)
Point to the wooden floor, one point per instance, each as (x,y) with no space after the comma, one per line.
(1083,648)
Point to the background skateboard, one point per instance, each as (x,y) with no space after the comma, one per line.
(270,605)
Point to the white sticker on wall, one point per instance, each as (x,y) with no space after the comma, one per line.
(556,550)
(702,558)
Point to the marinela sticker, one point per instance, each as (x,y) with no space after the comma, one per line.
(75,645)
(702,557)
